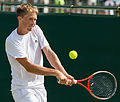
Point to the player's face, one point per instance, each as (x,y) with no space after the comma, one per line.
(29,21)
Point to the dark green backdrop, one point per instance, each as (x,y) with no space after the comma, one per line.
(95,38)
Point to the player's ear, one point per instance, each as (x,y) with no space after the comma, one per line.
(19,18)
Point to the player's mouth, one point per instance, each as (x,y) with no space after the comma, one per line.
(30,27)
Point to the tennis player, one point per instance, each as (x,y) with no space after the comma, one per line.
(24,48)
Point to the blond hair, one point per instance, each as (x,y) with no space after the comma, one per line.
(24,9)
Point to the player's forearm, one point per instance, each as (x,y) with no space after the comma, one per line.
(53,59)
(55,62)
(36,69)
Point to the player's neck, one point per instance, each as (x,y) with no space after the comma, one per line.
(21,31)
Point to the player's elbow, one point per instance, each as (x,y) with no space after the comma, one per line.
(25,63)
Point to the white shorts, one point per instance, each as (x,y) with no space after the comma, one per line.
(30,95)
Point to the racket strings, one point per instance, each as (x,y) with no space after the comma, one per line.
(102,85)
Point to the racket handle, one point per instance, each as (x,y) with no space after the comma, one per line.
(75,81)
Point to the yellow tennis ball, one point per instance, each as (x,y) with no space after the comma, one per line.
(73,54)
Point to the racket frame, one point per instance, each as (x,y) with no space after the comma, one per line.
(88,87)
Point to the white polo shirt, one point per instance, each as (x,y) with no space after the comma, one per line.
(20,46)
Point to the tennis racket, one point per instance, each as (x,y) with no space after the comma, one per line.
(101,84)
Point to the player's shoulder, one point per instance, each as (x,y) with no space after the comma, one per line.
(11,35)
(37,30)
(12,38)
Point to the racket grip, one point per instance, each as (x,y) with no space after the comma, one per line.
(75,81)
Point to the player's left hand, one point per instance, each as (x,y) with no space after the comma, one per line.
(70,80)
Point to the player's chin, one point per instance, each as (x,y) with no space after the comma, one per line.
(30,28)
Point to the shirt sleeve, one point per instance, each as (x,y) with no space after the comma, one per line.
(15,49)
(42,39)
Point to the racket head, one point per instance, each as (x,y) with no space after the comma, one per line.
(102,85)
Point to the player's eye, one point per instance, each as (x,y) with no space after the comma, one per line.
(30,19)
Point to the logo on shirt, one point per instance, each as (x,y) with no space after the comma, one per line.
(36,41)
